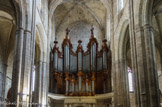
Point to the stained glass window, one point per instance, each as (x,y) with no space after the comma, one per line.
(130,80)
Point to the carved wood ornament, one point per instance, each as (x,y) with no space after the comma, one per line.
(96,79)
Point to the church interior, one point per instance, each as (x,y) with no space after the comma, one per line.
(80,53)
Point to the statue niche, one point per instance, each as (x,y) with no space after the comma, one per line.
(80,73)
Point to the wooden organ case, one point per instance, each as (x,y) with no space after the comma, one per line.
(80,73)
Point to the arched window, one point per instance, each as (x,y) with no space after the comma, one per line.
(120,5)
(130,80)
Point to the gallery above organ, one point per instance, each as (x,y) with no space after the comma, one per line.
(80,73)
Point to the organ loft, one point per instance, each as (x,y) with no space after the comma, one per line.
(80,73)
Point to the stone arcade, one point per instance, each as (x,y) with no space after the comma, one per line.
(124,71)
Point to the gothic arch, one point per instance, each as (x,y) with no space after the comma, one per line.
(41,39)
(40,65)
(147,12)
(23,12)
(88,10)
(55,3)
(122,39)
(8,10)
(19,10)
(120,74)
(119,38)
(38,46)
(143,12)
(156,5)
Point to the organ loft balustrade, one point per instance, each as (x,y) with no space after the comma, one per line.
(80,73)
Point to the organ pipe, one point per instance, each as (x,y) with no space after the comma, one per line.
(82,72)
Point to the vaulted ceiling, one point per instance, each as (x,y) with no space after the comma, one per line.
(80,16)
(69,11)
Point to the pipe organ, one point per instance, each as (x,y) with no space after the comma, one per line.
(80,73)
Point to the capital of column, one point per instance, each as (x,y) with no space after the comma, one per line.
(144,27)
(27,32)
(147,26)
(19,30)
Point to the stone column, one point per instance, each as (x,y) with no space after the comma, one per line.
(21,67)
(38,80)
(44,85)
(50,39)
(121,94)
(146,73)
(143,62)
(17,64)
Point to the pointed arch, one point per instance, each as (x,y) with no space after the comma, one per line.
(143,12)
(42,41)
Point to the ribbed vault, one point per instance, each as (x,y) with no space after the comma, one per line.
(67,13)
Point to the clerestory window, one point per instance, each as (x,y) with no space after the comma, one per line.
(130,80)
